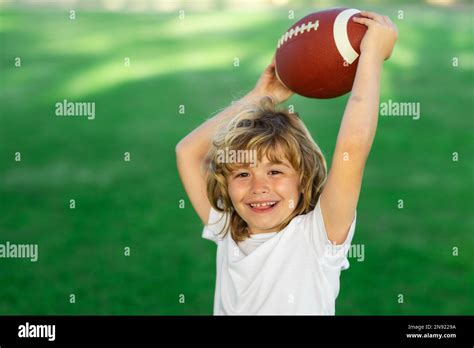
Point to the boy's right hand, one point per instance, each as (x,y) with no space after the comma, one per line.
(269,85)
(380,37)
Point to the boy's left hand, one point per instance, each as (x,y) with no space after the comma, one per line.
(268,84)
(380,37)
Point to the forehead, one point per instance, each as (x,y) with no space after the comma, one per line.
(265,161)
(264,155)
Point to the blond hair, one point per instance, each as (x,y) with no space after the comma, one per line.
(273,133)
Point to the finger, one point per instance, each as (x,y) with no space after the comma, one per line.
(392,25)
(388,21)
(396,29)
(365,21)
(372,15)
(270,71)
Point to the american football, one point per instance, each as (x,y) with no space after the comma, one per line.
(317,57)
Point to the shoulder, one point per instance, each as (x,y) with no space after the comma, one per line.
(313,228)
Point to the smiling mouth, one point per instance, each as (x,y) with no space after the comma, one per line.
(263,207)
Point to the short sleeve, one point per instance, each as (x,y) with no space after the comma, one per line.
(214,226)
(332,255)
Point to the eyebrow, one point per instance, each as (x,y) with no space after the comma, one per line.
(269,164)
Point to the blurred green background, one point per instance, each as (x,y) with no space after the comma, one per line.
(136,204)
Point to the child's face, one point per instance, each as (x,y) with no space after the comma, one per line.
(265,183)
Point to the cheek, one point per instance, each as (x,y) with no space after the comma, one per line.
(287,188)
(236,190)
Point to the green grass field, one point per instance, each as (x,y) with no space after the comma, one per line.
(136,204)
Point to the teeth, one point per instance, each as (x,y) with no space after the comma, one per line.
(265,204)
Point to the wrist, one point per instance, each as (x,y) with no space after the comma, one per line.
(373,56)
(255,95)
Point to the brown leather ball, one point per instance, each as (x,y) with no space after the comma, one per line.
(317,57)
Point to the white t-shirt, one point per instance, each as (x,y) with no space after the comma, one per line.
(295,271)
(255,240)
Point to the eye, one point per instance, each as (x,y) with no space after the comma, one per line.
(275,172)
(242,175)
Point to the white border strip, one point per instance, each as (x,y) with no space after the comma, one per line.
(341,38)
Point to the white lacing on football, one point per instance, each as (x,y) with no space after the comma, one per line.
(297,30)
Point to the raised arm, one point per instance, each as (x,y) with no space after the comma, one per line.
(356,134)
(191,150)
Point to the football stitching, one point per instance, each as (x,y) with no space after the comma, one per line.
(295,31)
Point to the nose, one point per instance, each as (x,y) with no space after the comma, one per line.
(259,185)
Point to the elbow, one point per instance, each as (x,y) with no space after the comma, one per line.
(189,147)
(180,147)
(180,151)
(186,149)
